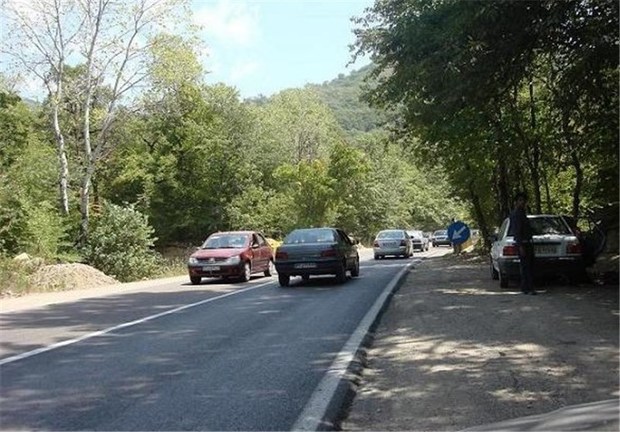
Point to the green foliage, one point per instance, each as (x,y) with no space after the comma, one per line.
(121,244)
(502,95)
(29,218)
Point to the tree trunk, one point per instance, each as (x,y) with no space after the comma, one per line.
(63,165)
(578,183)
(479,213)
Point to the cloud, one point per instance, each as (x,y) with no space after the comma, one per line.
(229,22)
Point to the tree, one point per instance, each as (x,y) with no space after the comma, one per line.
(111,39)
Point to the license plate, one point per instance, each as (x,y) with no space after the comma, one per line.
(211,268)
(543,249)
(390,244)
(305,265)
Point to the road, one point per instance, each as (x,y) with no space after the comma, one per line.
(244,356)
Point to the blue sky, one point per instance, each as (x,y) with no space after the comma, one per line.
(264,46)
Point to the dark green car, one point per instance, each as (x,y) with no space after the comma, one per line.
(317,251)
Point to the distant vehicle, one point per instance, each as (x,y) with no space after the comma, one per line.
(440,238)
(317,251)
(395,242)
(418,240)
(231,254)
(557,250)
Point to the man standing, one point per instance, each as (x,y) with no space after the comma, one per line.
(522,233)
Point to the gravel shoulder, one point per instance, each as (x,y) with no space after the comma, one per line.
(454,351)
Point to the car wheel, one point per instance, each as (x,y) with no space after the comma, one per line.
(195,280)
(377,257)
(270,269)
(305,278)
(284,279)
(355,271)
(503,279)
(341,275)
(247,272)
(494,274)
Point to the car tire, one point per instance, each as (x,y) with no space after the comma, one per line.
(377,257)
(284,279)
(271,269)
(247,272)
(494,273)
(503,279)
(305,278)
(355,271)
(341,274)
(195,280)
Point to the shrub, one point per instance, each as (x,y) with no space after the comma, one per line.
(120,244)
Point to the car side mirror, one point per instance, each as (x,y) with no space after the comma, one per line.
(255,245)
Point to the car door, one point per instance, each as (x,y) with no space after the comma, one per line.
(257,260)
(266,253)
(348,248)
(498,244)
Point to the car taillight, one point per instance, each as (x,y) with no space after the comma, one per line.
(376,244)
(281,255)
(573,248)
(510,250)
(328,253)
(403,243)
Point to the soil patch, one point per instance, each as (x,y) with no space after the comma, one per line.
(62,277)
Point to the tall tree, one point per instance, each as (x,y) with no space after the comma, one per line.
(112,40)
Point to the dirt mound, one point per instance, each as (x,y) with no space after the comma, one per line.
(61,277)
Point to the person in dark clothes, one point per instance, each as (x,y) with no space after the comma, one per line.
(523,240)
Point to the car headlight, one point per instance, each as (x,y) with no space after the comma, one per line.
(233,260)
(192,260)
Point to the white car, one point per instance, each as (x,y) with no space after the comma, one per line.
(418,240)
(557,250)
(394,242)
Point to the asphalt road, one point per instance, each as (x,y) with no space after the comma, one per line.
(245,356)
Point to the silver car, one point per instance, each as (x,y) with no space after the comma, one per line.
(557,250)
(395,242)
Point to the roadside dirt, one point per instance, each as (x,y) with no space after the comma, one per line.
(453,351)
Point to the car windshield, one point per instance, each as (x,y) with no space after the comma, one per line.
(416,234)
(542,225)
(395,234)
(226,241)
(318,235)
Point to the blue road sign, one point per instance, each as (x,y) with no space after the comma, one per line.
(458,232)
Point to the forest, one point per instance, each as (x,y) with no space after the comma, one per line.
(464,104)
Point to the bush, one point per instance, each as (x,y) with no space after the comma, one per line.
(120,244)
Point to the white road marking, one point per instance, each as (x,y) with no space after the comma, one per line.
(312,415)
(123,325)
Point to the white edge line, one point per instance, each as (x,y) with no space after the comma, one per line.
(121,326)
(316,407)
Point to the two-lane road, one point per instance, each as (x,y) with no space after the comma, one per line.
(181,357)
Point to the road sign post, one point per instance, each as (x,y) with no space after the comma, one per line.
(458,233)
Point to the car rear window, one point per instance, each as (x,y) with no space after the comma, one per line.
(319,235)
(440,233)
(390,235)
(542,225)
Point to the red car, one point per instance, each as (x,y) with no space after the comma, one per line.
(231,254)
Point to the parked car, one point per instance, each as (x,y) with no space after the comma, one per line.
(557,250)
(395,242)
(317,251)
(440,238)
(418,240)
(237,254)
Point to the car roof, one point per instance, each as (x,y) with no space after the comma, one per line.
(234,232)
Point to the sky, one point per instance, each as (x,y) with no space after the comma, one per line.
(264,46)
